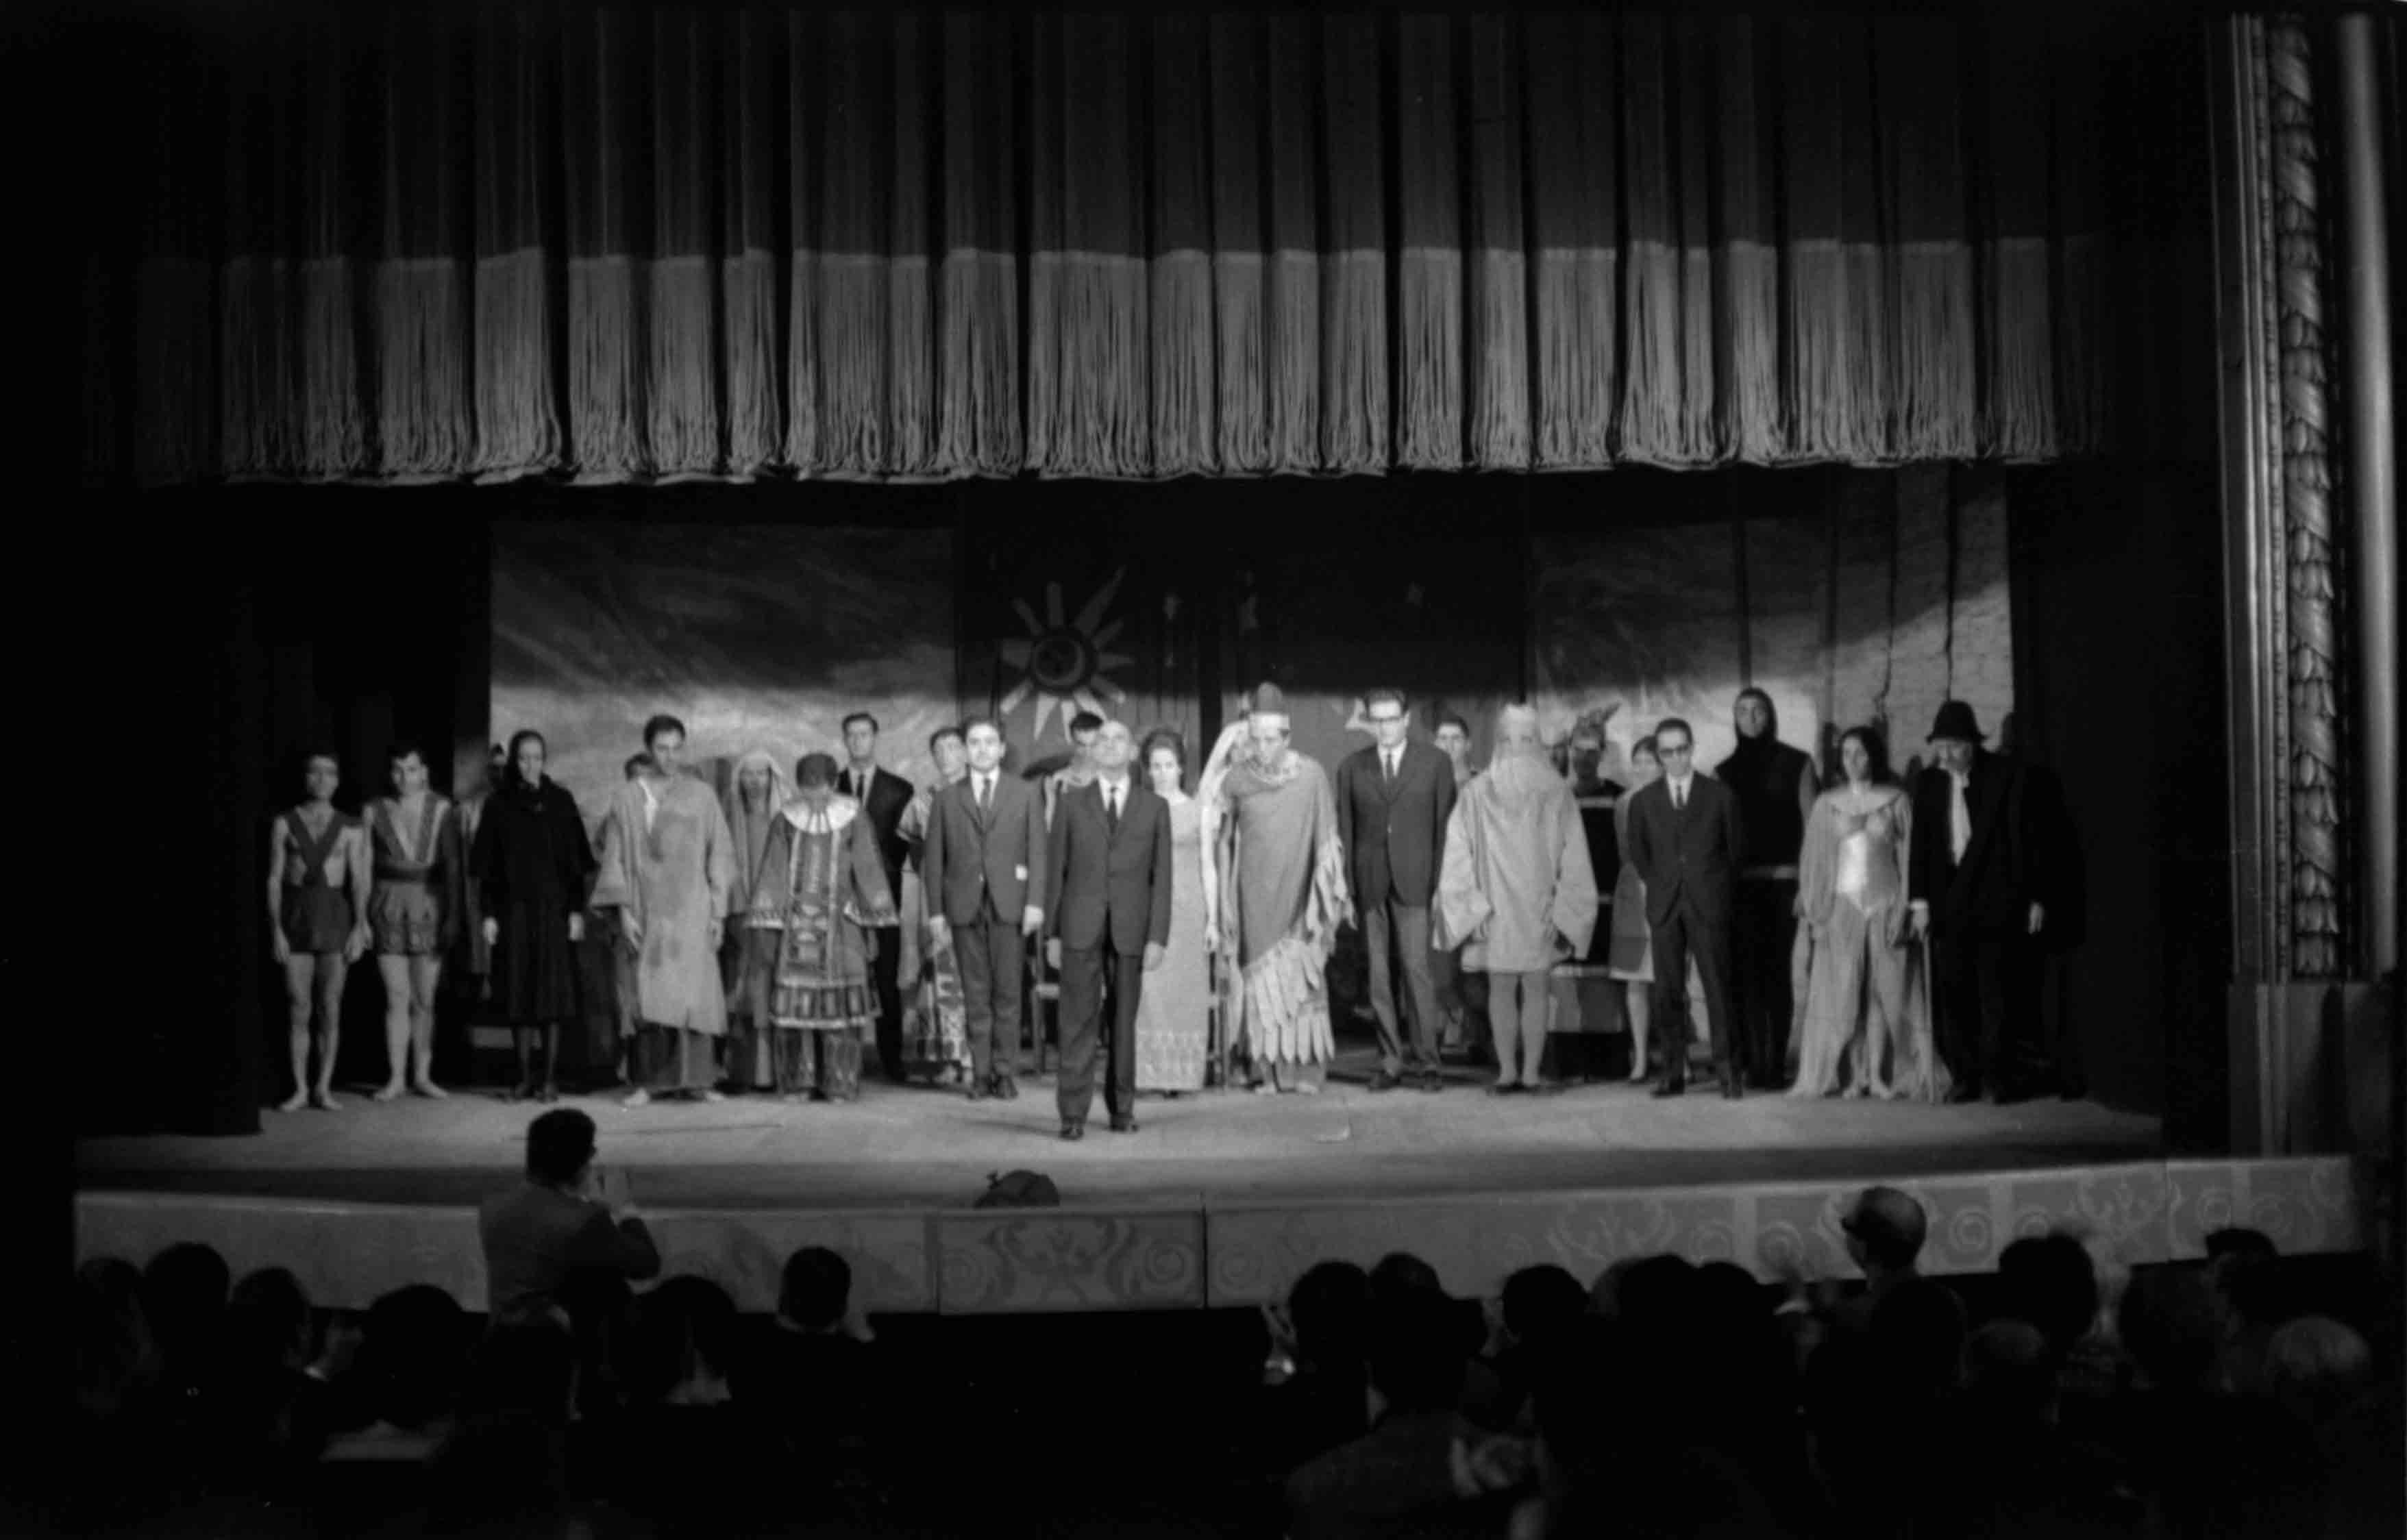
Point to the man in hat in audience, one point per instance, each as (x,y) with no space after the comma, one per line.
(1975,878)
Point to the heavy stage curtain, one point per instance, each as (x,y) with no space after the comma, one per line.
(652,243)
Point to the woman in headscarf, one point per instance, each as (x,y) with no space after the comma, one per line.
(532,865)
(756,791)
(1517,891)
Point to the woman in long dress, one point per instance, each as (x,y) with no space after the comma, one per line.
(935,1029)
(413,916)
(1174,1011)
(756,794)
(1864,1035)
(532,865)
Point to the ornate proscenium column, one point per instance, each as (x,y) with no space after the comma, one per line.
(2296,515)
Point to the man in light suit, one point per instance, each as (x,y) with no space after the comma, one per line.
(1687,840)
(1109,875)
(1392,801)
(983,869)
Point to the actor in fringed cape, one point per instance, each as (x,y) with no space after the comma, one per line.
(668,867)
(1516,892)
(1866,1022)
(756,791)
(823,894)
(1272,826)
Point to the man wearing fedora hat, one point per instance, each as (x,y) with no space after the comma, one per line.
(1973,880)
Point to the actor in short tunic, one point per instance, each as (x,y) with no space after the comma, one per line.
(414,907)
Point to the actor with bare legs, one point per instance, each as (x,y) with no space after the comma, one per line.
(413,912)
(316,912)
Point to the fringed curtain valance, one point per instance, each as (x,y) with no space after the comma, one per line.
(654,243)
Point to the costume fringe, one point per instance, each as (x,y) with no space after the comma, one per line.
(1287,1005)
(423,429)
(256,435)
(606,430)
(978,409)
(518,419)
(1186,431)
(681,388)
(1354,340)
(334,425)
(1430,332)
(1243,433)
(853,295)
(1935,402)
(1752,427)
(2082,340)
(1500,417)
(2022,388)
(911,369)
(1087,410)
(1578,309)
(801,448)
(749,282)
(1295,344)
(1650,399)
(173,314)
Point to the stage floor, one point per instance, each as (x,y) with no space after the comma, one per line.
(914,1147)
(1221,1199)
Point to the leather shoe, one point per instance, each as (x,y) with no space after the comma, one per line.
(1124,1123)
(977,1090)
(1074,1131)
(1431,1080)
(1734,1088)
(1673,1088)
(1386,1079)
(1005,1088)
(1506,1087)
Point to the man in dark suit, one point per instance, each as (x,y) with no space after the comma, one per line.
(1687,838)
(1109,875)
(884,797)
(566,1218)
(984,868)
(1392,802)
(1975,878)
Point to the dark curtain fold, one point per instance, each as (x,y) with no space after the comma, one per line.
(485,242)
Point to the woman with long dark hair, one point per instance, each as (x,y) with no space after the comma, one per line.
(532,865)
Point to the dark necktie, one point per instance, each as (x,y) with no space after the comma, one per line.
(984,804)
(1112,807)
(1389,761)
(1679,799)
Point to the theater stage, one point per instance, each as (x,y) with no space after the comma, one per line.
(1220,1199)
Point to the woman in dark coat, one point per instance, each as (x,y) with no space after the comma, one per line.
(534,866)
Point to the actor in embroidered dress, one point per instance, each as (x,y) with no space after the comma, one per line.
(667,867)
(757,792)
(1173,1014)
(533,866)
(1271,824)
(1516,892)
(822,890)
(413,916)
(318,926)
(1865,1032)
(935,1038)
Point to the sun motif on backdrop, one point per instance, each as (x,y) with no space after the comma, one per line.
(1064,658)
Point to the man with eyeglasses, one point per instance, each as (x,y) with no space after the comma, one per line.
(1687,838)
(1393,798)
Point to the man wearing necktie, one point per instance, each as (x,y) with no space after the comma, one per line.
(1974,883)
(984,868)
(1109,872)
(884,797)
(1687,838)
(1393,799)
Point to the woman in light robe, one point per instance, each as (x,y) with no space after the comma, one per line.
(1174,1013)
(1516,892)
(757,792)
(1866,1032)
(666,871)
(824,892)
(1271,823)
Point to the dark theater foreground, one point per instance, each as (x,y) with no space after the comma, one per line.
(1534,770)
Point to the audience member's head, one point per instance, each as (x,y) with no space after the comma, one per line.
(816,1290)
(1416,1359)
(2243,1269)
(267,1321)
(1656,1298)
(2009,1374)
(559,1147)
(184,1298)
(1885,1230)
(1401,1273)
(2170,1324)
(2050,1282)
(2315,1366)
(1604,1294)
(1540,1304)
(1916,1341)
(1330,1307)
(687,1333)
(411,1351)
(114,1357)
